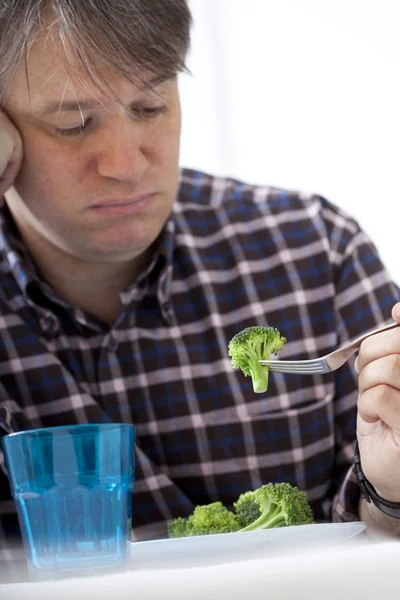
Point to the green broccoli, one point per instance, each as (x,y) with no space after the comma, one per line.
(249,346)
(274,505)
(247,511)
(205,519)
(271,505)
(177,527)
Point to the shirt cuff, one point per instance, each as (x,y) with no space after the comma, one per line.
(345,503)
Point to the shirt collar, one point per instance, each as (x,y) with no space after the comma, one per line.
(18,260)
(156,278)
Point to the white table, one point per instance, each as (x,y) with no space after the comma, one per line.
(358,571)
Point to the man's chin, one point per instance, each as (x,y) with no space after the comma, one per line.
(112,255)
(117,253)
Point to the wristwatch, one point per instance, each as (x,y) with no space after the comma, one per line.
(368,491)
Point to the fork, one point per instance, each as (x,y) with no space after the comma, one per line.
(324,364)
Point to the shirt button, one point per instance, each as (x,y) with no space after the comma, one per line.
(49,325)
(167,310)
(112,344)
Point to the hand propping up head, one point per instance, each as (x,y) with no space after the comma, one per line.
(11,153)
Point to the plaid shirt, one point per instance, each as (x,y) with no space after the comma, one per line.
(231,256)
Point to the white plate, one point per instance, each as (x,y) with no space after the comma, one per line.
(228,547)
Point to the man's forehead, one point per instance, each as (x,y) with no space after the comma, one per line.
(53,95)
(44,74)
(49,82)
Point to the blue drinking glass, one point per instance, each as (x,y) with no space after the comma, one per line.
(72,487)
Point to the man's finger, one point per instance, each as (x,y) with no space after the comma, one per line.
(396,312)
(11,153)
(378,346)
(383,371)
(380,403)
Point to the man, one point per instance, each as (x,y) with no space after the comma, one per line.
(123,280)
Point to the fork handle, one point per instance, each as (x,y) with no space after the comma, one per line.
(357,342)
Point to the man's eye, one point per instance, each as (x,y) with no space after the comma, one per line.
(138,112)
(73,130)
(148,112)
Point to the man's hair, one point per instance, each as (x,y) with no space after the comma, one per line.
(126,37)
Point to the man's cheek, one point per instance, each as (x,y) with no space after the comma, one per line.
(36,180)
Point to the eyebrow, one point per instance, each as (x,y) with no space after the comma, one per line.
(90,104)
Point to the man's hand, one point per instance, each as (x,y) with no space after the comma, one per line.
(11,153)
(378,422)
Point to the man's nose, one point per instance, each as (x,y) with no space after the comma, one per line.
(121,151)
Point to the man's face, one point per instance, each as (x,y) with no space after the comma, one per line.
(101,191)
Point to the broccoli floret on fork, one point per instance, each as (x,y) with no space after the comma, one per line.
(251,345)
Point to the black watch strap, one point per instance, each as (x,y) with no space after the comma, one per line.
(368,491)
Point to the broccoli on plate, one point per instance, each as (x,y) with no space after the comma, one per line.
(249,346)
(271,505)
(204,520)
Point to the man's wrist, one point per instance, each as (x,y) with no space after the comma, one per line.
(380,527)
(392,509)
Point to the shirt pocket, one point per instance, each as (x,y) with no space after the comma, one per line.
(291,393)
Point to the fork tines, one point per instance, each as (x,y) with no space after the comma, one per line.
(304,367)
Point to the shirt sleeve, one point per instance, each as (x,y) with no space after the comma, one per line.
(13,567)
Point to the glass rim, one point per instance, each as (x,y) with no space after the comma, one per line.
(67,429)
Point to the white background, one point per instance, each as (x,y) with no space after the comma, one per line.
(303,94)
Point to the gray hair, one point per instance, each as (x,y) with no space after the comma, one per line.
(127,37)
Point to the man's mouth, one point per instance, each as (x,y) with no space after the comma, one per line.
(124,206)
